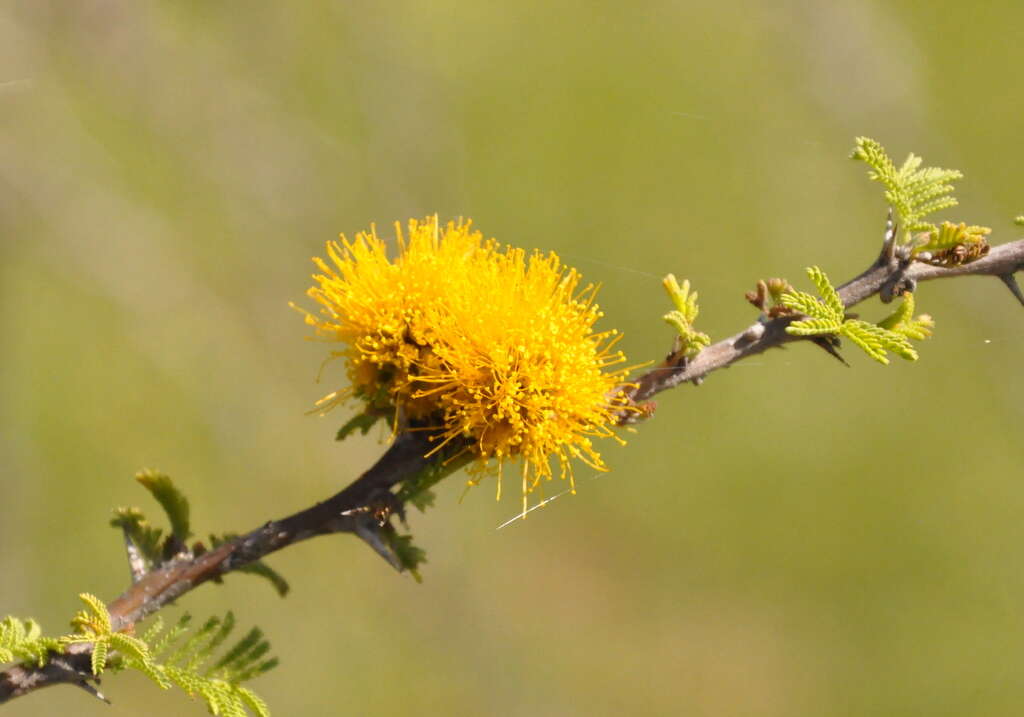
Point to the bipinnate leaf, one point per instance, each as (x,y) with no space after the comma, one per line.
(876,341)
(682,318)
(23,641)
(913,191)
(903,321)
(172,500)
(256,567)
(220,685)
(361,422)
(826,315)
(814,327)
(827,292)
(99,656)
(145,537)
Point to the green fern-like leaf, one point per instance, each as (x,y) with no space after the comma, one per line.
(219,686)
(913,191)
(256,567)
(261,569)
(814,327)
(827,292)
(361,422)
(166,639)
(691,341)
(948,235)
(141,534)
(409,556)
(952,244)
(130,647)
(246,663)
(416,489)
(149,541)
(809,305)
(188,682)
(240,652)
(423,499)
(172,500)
(876,341)
(153,671)
(195,650)
(22,641)
(251,700)
(99,656)
(869,342)
(94,620)
(826,315)
(903,321)
(226,626)
(256,669)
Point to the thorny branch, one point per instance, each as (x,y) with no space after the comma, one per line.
(366,505)
(363,508)
(888,277)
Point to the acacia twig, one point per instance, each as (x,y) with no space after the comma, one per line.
(361,508)
(889,276)
(366,504)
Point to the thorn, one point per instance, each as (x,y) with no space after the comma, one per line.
(92,691)
(68,673)
(830,344)
(889,240)
(136,561)
(367,529)
(1011,283)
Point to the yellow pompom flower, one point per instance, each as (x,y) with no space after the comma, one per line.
(492,349)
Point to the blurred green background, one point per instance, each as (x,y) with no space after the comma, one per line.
(792,538)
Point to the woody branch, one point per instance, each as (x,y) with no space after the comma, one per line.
(888,277)
(362,506)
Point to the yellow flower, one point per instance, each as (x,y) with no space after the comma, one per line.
(491,348)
